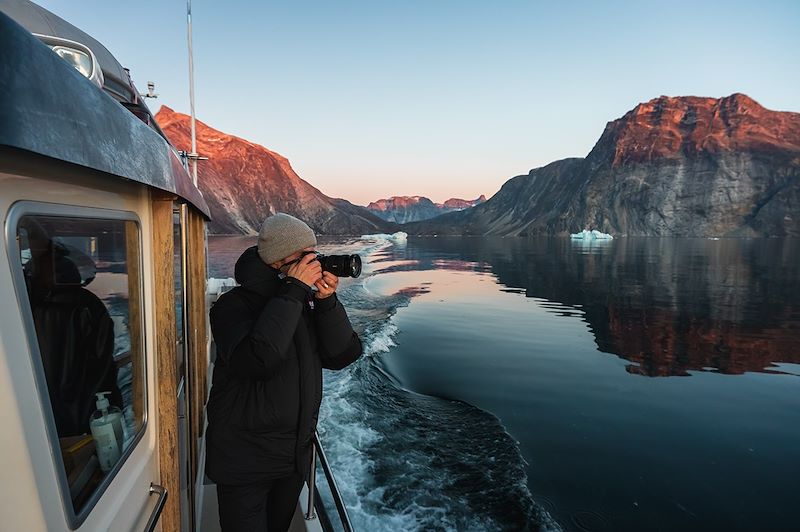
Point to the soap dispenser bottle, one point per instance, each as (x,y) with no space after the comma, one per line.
(106,426)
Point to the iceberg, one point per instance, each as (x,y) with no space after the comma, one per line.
(594,234)
(399,237)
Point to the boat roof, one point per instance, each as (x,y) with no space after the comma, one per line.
(48,108)
(37,19)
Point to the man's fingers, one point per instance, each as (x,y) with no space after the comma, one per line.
(307,270)
(306,259)
(329,281)
(309,263)
(316,273)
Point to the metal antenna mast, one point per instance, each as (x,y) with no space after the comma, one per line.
(192,156)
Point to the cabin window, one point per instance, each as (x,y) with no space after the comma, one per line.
(84,285)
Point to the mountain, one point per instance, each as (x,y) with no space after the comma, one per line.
(243,182)
(682,166)
(404,209)
(457,204)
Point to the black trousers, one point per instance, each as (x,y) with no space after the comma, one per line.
(266,506)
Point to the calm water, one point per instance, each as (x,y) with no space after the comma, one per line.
(641,384)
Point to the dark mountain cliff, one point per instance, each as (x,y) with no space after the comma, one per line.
(684,166)
(243,182)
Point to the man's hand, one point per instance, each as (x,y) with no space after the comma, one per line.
(326,286)
(308,270)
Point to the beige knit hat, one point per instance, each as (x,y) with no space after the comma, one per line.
(281,235)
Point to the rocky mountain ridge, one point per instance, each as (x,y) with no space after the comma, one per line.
(673,166)
(243,182)
(404,209)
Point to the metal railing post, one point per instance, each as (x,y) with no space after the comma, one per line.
(337,495)
(311,481)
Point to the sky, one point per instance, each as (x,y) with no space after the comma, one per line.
(441,98)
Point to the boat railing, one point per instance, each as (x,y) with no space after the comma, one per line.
(314,505)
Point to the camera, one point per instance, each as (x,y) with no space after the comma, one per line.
(339,265)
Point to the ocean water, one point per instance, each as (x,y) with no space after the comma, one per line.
(513,384)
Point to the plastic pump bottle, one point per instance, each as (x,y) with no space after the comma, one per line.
(106,426)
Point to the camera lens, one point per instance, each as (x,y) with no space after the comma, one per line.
(355,265)
(341,265)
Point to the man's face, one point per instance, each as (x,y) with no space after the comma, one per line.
(286,262)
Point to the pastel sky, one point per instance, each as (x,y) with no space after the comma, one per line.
(441,98)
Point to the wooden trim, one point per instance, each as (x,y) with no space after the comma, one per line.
(197,333)
(135,315)
(166,359)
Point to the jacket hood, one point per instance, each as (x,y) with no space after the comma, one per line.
(251,272)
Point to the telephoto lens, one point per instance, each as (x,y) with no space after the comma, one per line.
(341,265)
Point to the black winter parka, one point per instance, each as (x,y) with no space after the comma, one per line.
(273,339)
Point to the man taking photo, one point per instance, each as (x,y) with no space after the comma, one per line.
(274,334)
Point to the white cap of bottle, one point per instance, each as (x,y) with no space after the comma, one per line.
(102,402)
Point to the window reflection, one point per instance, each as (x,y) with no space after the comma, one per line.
(83,282)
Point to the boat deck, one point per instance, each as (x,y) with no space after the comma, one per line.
(209,516)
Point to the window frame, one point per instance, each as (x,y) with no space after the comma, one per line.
(16,212)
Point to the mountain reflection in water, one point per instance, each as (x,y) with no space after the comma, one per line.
(666,305)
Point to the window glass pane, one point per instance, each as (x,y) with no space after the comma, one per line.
(84,287)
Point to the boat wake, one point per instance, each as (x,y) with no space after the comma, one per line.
(406,461)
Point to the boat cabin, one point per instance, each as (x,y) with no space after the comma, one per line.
(104,290)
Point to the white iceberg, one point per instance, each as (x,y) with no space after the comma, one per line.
(399,237)
(594,234)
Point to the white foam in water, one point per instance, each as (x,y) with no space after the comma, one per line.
(594,234)
(343,428)
(344,435)
(382,341)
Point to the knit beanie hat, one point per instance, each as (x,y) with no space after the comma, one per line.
(281,235)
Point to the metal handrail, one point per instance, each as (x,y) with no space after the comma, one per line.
(318,451)
(312,483)
(161,491)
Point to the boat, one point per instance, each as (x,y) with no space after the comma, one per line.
(105,346)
